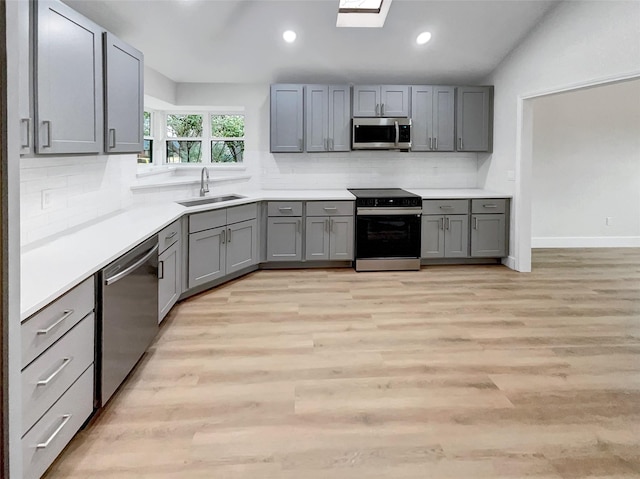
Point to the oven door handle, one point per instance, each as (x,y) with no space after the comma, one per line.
(388,211)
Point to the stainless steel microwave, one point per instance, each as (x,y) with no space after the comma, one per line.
(381,134)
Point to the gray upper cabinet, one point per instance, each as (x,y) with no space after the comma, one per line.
(381,100)
(474,118)
(327,114)
(287,118)
(25,75)
(124,92)
(69,100)
(432,116)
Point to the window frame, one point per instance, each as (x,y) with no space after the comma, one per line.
(230,138)
(167,138)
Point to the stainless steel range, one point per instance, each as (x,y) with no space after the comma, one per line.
(388,225)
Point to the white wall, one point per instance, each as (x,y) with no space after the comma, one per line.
(578,43)
(326,170)
(82,189)
(586,167)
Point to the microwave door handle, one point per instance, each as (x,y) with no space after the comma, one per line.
(397,133)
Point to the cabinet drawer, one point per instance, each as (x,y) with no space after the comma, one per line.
(56,369)
(169,235)
(56,428)
(329,208)
(237,214)
(207,220)
(47,326)
(489,205)
(285,208)
(445,207)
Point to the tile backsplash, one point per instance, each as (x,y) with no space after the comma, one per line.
(60,193)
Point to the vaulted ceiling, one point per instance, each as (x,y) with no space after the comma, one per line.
(240,41)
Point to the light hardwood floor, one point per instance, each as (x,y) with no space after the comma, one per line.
(451,372)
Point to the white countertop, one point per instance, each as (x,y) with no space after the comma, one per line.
(52,269)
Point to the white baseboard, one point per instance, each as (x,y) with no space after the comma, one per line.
(509,262)
(587,242)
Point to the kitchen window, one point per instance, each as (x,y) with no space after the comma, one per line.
(227,143)
(146,155)
(184,138)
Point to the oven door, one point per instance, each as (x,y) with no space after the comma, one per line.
(384,235)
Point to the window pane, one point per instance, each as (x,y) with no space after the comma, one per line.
(227,151)
(184,151)
(227,126)
(146,156)
(184,125)
(147,123)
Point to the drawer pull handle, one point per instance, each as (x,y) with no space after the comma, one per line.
(65,315)
(491,205)
(171,235)
(65,419)
(65,363)
(445,207)
(285,208)
(475,222)
(330,208)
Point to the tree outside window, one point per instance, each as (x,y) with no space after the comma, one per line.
(227,144)
(184,138)
(146,155)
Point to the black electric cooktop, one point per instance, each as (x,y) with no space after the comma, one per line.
(385,197)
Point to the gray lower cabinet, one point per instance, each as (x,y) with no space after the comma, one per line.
(287,118)
(474,118)
(170,279)
(488,235)
(242,245)
(123,96)
(284,239)
(69,108)
(329,238)
(445,236)
(207,255)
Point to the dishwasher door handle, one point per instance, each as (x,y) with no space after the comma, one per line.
(134,266)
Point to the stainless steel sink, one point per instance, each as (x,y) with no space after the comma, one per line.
(212,199)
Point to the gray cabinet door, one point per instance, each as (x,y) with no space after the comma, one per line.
(207,253)
(242,245)
(25,72)
(432,236)
(456,236)
(284,239)
(366,100)
(317,117)
(474,117)
(422,118)
(286,118)
(488,236)
(69,100)
(124,92)
(170,279)
(394,100)
(339,134)
(443,118)
(341,238)
(317,238)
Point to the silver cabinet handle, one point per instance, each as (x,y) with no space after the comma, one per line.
(490,205)
(223,236)
(27,142)
(382,110)
(441,223)
(448,222)
(171,235)
(228,235)
(460,143)
(112,137)
(377,109)
(285,208)
(435,140)
(475,222)
(298,224)
(48,143)
(330,208)
(65,314)
(133,267)
(65,420)
(430,143)
(326,225)
(161,270)
(45,382)
(397,132)
(445,207)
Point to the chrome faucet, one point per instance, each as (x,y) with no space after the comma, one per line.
(204,188)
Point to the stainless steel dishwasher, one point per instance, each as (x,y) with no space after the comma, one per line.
(128,315)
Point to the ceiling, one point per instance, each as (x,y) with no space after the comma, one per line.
(240,41)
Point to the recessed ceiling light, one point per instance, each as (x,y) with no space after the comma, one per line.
(289,36)
(423,38)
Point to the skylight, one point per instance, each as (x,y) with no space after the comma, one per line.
(363,13)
